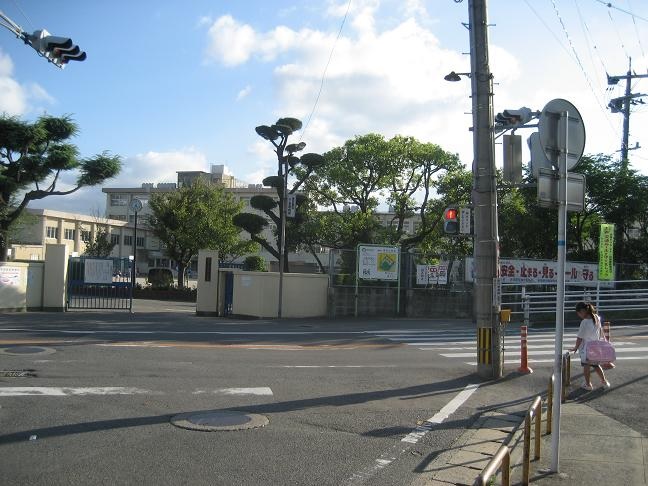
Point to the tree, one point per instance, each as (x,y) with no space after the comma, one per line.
(101,246)
(355,177)
(296,170)
(197,217)
(33,156)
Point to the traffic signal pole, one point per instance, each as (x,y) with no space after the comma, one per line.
(484,198)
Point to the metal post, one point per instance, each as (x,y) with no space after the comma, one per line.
(484,192)
(398,291)
(133,271)
(560,295)
(282,240)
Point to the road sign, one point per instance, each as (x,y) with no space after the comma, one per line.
(538,158)
(552,132)
(512,162)
(548,190)
(291,205)
(464,221)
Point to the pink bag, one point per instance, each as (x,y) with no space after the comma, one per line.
(599,352)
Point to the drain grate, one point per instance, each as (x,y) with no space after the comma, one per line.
(16,373)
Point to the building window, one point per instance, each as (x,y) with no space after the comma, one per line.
(69,233)
(128,240)
(140,242)
(114,239)
(85,236)
(52,232)
(118,199)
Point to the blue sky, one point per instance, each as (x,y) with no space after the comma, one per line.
(181,85)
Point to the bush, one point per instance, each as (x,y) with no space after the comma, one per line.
(254,264)
(160,278)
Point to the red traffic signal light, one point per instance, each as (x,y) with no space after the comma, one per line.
(450,221)
(450,213)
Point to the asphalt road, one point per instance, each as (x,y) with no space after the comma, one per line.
(340,397)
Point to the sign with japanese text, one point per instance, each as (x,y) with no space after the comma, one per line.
(9,276)
(378,262)
(606,252)
(97,271)
(542,272)
(432,274)
(291,205)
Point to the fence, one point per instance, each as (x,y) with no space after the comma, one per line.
(421,292)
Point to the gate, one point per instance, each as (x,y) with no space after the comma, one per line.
(99,283)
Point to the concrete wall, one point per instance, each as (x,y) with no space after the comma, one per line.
(21,286)
(55,277)
(377,301)
(256,294)
(207,284)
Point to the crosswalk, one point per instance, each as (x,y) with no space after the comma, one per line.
(460,344)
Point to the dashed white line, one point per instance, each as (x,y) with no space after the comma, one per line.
(14,391)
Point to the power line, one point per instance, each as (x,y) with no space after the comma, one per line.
(535,12)
(633,15)
(319,93)
(580,64)
(636,29)
(590,40)
(23,14)
(623,47)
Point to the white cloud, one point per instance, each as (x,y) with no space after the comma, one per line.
(17,99)
(151,166)
(243,93)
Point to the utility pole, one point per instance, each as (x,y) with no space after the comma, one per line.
(484,198)
(622,105)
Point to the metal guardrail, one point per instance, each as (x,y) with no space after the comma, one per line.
(501,460)
(623,295)
(534,412)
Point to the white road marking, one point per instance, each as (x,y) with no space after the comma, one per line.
(226,333)
(399,448)
(335,366)
(541,352)
(441,415)
(14,391)
(259,391)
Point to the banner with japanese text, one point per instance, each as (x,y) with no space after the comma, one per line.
(606,252)
(529,272)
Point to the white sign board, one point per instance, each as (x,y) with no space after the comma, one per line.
(542,272)
(98,271)
(464,221)
(432,274)
(9,276)
(378,262)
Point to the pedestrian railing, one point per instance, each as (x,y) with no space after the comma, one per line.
(534,413)
(500,461)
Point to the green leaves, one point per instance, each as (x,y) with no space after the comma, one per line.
(252,223)
(263,203)
(98,169)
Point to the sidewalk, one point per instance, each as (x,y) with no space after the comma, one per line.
(594,449)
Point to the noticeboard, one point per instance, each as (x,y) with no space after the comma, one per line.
(378,262)
(98,271)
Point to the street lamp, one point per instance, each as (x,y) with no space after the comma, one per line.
(454,77)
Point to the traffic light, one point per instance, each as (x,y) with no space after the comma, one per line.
(58,50)
(451,221)
(510,118)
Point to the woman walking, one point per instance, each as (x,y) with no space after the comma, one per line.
(590,330)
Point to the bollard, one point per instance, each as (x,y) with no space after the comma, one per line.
(550,404)
(606,330)
(566,376)
(534,412)
(524,357)
(502,457)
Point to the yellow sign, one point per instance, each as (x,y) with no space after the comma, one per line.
(606,252)
(387,262)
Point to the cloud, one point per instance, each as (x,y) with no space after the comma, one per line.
(387,80)
(243,93)
(17,99)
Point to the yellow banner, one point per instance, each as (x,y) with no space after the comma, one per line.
(606,252)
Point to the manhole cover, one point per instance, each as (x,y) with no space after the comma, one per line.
(219,420)
(16,373)
(20,350)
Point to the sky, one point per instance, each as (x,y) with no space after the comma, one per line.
(174,86)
